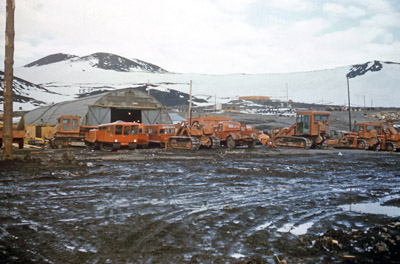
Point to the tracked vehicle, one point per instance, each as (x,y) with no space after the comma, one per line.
(309,131)
(193,137)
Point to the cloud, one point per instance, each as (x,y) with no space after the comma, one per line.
(341,10)
(205,36)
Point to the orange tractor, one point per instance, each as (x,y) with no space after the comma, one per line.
(109,137)
(229,132)
(193,137)
(309,131)
(69,132)
(160,133)
(379,135)
(345,139)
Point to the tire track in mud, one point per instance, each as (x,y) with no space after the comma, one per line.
(208,206)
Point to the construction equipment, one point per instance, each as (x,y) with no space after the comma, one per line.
(379,135)
(193,137)
(69,132)
(345,139)
(160,133)
(370,133)
(309,131)
(18,133)
(113,136)
(230,133)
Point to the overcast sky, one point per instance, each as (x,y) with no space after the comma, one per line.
(211,36)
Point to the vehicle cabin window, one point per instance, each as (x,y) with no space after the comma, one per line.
(243,128)
(134,130)
(369,128)
(141,131)
(126,130)
(317,117)
(171,131)
(325,117)
(357,128)
(118,130)
(155,131)
(75,124)
(162,131)
(66,124)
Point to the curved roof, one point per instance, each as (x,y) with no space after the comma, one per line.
(122,98)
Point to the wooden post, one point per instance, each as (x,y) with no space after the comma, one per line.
(8,80)
(348,96)
(190,104)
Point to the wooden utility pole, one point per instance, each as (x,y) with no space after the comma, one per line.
(8,80)
(348,97)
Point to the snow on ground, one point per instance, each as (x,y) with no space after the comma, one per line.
(327,86)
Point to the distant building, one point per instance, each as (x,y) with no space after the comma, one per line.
(254,98)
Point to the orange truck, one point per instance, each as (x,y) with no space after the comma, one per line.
(309,131)
(160,133)
(113,136)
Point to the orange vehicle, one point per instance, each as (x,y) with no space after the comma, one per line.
(345,139)
(69,132)
(117,135)
(160,133)
(379,135)
(371,133)
(18,133)
(230,133)
(309,131)
(193,137)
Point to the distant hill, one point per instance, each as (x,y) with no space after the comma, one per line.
(101,60)
(374,83)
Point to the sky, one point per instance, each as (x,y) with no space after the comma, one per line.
(211,36)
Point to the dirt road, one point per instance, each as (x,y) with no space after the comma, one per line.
(209,206)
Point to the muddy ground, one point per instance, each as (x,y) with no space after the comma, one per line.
(207,206)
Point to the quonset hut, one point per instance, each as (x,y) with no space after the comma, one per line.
(125,104)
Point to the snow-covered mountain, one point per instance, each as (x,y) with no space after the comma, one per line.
(373,83)
(101,60)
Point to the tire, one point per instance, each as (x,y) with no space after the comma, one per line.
(362,144)
(230,143)
(106,147)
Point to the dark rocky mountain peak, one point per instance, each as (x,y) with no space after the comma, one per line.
(108,61)
(53,58)
(361,69)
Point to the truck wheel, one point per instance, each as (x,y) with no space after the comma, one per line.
(230,143)
(106,147)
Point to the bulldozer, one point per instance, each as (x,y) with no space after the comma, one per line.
(193,137)
(309,131)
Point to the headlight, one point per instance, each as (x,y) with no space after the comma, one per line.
(134,140)
(115,140)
